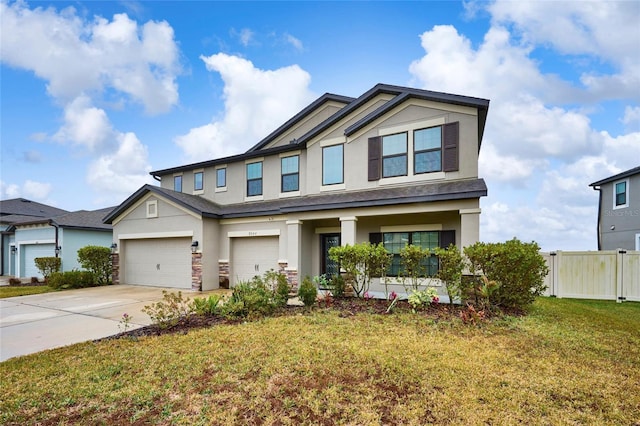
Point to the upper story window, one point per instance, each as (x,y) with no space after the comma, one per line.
(198,181)
(621,194)
(221,178)
(254,179)
(427,150)
(177,183)
(394,155)
(290,171)
(333,164)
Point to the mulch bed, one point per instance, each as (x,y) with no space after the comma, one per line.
(346,307)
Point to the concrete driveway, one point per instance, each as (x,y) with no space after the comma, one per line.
(30,324)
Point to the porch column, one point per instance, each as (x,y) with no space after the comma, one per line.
(469,227)
(294,251)
(348,230)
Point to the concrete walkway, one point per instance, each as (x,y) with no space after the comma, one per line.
(34,323)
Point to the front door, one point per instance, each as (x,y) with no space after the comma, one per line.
(328,267)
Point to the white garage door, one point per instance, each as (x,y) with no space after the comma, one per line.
(162,262)
(29,253)
(253,256)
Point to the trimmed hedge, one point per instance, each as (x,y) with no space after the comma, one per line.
(72,279)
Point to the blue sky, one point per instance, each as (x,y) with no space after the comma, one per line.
(94,95)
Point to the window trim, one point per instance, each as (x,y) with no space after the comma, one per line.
(283,175)
(405,155)
(149,205)
(323,170)
(195,188)
(422,151)
(254,179)
(177,178)
(626,192)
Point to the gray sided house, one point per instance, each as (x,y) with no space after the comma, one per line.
(54,232)
(396,165)
(619,211)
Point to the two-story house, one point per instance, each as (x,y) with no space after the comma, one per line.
(619,211)
(396,165)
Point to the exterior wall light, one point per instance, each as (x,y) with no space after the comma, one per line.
(14,249)
(114,247)
(58,250)
(194,246)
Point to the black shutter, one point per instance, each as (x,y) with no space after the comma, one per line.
(375,237)
(450,147)
(375,157)
(447,238)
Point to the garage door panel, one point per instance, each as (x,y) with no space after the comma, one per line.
(164,262)
(30,252)
(253,256)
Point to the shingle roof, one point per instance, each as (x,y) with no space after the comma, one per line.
(630,172)
(401,95)
(81,219)
(419,193)
(20,209)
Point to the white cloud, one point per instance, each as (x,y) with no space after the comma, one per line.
(295,42)
(256,103)
(245,36)
(32,190)
(76,57)
(32,156)
(631,116)
(86,125)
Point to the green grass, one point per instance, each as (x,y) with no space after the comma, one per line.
(568,362)
(6,291)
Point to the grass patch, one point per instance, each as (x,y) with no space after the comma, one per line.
(567,362)
(14,291)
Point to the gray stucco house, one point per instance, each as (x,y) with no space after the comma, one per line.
(396,165)
(619,211)
(31,229)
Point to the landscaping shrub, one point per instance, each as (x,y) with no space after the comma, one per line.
(514,270)
(307,292)
(168,312)
(206,305)
(48,265)
(71,279)
(413,266)
(422,299)
(337,285)
(97,260)
(250,298)
(14,281)
(450,272)
(362,262)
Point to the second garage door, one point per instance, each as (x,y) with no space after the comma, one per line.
(253,256)
(161,262)
(29,253)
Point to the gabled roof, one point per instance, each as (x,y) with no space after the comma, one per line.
(81,219)
(630,172)
(20,210)
(401,94)
(419,193)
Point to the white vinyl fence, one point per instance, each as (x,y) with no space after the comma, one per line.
(605,275)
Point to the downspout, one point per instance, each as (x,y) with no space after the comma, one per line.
(57,245)
(597,188)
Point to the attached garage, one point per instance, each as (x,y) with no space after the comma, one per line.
(251,256)
(157,262)
(29,253)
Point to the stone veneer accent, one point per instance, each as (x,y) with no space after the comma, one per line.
(115,268)
(291,274)
(196,271)
(223,273)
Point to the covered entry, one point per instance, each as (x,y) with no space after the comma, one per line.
(251,256)
(157,262)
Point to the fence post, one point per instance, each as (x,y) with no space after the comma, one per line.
(552,273)
(620,275)
(557,264)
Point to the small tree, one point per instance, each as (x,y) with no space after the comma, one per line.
(48,265)
(361,262)
(97,260)
(450,272)
(413,265)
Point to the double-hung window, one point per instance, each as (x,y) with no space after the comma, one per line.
(254,179)
(620,194)
(290,171)
(177,183)
(394,242)
(221,178)
(332,165)
(198,181)
(394,155)
(427,150)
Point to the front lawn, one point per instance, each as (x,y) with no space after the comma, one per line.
(567,362)
(14,291)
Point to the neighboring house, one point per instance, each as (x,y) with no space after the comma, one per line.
(29,236)
(396,165)
(619,211)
